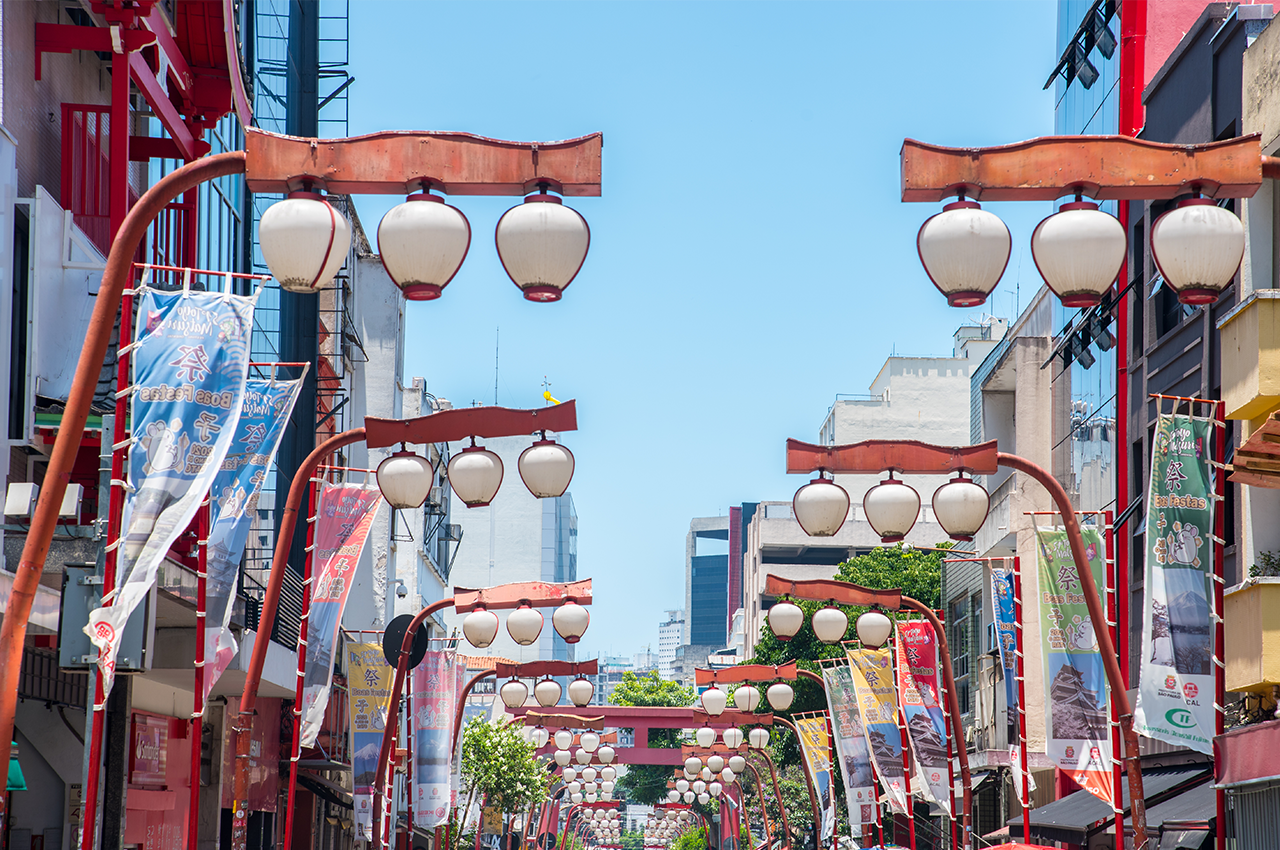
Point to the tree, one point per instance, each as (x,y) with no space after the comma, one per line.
(694,839)
(647,784)
(499,764)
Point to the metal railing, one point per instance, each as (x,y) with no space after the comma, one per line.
(288,622)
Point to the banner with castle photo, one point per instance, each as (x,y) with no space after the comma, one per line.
(263,417)
(369,679)
(851,747)
(344,516)
(815,747)
(872,671)
(919,690)
(435,685)
(1077,727)
(190,363)
(1007,638)
(1176,682)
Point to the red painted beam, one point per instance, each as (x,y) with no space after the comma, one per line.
(539,594)
(64,38)
(654,716)
(188,145)
(560,721)
(911,457)
(179,71)
(463,422)
(843,593)
(1102,167)
(548,668)
(456,163)
(746,673)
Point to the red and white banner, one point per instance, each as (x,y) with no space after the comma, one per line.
(919,696)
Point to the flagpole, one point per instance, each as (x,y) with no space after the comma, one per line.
(1113,619)
(302,664)
(1219,580)
(197,697)
(906,774)
(1022,700)
(115,509)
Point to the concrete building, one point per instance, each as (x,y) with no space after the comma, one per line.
(670,639)
(706,582)
(516,538)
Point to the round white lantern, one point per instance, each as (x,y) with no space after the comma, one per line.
(605,754)
(715,788)
(304,241)
(780,695)
(546,468)
(589,741)
(542,244)
(874,628)
(699,786)
(480,627)
(682,785)
(732,737)
(564,739)
(891,508)
(563,757)
(608,773)
(422,243)
(820,507)
(575,798)
(569,774)
(475,474)
(1198,247)
(588,774)
(961,507)
(673,796)
(405,479)
(737,764)
(758,738)
(514,693)
(706,736)
(714,701)
(785,619)
(693,764)
(715,763)
(580,691)
(1079,251)
(547,692)
(704,798)
(688,796)
(746,697)
(830,624)
(570,621)
(582,756)
(964,250)
(727,775)
(540,737)
(524,625)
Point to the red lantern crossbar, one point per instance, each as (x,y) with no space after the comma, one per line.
(540,593)
(837,591)
(909,457)
(506,670)
(562,721)
(746,673)
(449,426)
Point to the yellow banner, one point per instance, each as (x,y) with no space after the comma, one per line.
(369,690)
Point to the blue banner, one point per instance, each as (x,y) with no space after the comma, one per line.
(190,364)
(264,414)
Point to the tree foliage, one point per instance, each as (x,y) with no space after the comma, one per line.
(694,839)
(647,784)
(498,763)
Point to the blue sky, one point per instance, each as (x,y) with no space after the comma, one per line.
(750,256)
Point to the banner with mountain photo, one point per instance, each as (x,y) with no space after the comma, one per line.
(435,685)
(264,414)
(851,747)
(919,690)
(190,363)
(872,671)
(815,748)
(369,680)
(1007,641)
(1077,725)
(344,516)
(1176,680)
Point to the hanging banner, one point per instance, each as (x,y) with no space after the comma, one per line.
(190,362)
(369,680)
(872,673)
(815,747)
(1007,638)
(343,518)
(434,694)
(1077,731)
(263,417)
(851,747)
(1176,682)
(919,690)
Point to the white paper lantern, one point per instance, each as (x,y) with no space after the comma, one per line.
(514,693)
(547,692)
(961,507)
(1198,247)
(304,241)
(785,619)
(706,736)
(480,627)
(746,697)
(524,625)
(964,250)
(564,739)
(891,508)
(820,507)
(732,737)
(542,244)
(714,701)
(422,243)
(546,468)
(780,695)
(475,474)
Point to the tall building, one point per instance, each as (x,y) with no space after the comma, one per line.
(670,639)
(517,537)
(706,586)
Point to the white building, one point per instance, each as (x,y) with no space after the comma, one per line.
(670,638)
(515,538)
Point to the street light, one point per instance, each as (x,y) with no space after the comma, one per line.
(830,624)
(547,692)
(706,736)
(422,243)
(891,508)
(714,701)
(1198,247)
(546,468)
(570,620)
(692,764)
(580,691)
(964,250)
(820,507)
(514,693)
(780,695)
(564,739)
(524,624)
(715,763)
(475,473)
(737,764)
(961,507)
(542,244)
(747,698)
(873,628)
(785,619)
(1079,251)
(405,479)
(605,755)
(589,741)
(480,627)
(304,241)
(758,738)
(732,737)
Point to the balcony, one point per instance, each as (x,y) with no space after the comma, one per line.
(1250,338)
(1251,612)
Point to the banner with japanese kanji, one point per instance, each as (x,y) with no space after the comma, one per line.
(344,516)
(815,748)
(872,671)
(1011,666)
(234,499)
(190,363)
(851,747)
(369,680)
(435,688)
(1176,680)
(919,691)
(1077,726)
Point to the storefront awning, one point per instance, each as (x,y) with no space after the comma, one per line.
(325,790)
(1076,816)
(1246,756)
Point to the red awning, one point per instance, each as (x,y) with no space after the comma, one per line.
(1246,756)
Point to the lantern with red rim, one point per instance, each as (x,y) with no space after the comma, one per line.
(405,479)
(546,468)
(542,245)
(964,249)
(304,241)
(891,508)
(570,621)
(1198,247)
(422,243)
(820,507)
(475,474)
(961,507)
(1079,252)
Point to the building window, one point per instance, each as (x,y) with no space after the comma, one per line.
(960,650)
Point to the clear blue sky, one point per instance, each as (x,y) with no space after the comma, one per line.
(750,256)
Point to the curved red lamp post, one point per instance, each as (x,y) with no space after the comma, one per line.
(912,457)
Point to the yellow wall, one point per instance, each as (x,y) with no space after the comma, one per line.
(1252,636)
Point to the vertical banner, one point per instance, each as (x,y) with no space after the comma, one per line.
(369,680)
(1077,729)
(190,364)
(1176,683)
(343,518)
(434,692)
(815,747)
(872,673)
(918,689)
(263,417)
(851,747)
(1007,637)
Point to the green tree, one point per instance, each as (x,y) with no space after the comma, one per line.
(631,840)
(647,784)
(694,839)
(499,765)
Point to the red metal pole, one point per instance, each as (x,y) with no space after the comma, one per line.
(462,704)
(1022,700)
(951,776)
(1113,607)
(564,836)
(906,774)
(808,780)
(1219,582)
(1110,661)
(197,707)
(777,792)
(304,621)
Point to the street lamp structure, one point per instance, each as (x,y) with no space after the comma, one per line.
(912,457)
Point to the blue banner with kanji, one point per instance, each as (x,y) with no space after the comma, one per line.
(190,364)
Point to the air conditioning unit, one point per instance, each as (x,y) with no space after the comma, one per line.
(452,532)
(435,499)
